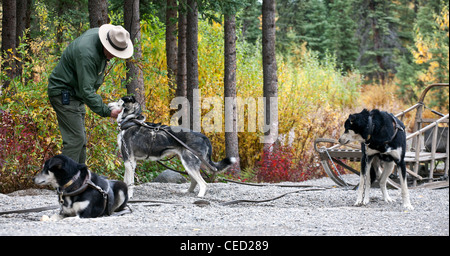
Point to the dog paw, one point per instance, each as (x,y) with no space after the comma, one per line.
(358,203)
(366,201)
(73,218)
(388,199)
(54,217)
(361,202)
(130,193)
(408,207)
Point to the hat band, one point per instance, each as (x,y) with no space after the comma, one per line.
(113,45)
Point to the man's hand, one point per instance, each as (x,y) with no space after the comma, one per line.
(115,113)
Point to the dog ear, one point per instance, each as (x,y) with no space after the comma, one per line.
(351,118)
(128,99)
(365,111)
(82,167)
(55,163)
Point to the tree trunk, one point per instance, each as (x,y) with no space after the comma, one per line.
(8,39)
(98,13)
(181,54)
(270,86)
(135,75)
(23,22)
(377,43)
(23,13)
(231,135)
(181,90)
(192,64)
(171,41)
(60,7)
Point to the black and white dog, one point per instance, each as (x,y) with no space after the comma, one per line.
(139,142)
(383,143)
(81,193)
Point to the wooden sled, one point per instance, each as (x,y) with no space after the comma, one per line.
(430,137)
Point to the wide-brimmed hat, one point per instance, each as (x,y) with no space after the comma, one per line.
(116,40)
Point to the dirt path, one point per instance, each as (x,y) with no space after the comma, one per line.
(312,213)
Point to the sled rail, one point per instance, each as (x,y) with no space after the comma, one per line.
(335,154)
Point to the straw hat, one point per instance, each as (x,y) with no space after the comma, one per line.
(116,40)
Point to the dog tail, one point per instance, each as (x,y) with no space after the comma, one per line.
(224,164)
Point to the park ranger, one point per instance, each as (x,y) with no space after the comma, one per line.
(76,79)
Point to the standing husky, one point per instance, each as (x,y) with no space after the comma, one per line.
(383,143)
(139,140)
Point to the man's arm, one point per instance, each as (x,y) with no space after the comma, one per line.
(87,77)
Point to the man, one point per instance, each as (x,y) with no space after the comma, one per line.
(76,79)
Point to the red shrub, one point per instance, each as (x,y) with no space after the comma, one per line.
(279,164)
(19,147)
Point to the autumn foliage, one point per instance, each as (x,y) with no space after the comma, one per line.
(314,97)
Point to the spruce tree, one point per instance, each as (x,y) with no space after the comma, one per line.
(340,34)
(315,26)
(377,39)
(406,69)
(290,21)
(248,19)
(428,53)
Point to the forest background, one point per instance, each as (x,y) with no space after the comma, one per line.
(334,57)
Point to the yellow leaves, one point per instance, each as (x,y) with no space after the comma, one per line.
(432,51)
(381,97)
(423,54)
(443,19)
(216,25)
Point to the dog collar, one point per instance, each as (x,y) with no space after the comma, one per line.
(81,189)
(68,184)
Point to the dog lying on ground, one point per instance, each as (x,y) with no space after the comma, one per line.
(139,140)
(383,143)
(81,193)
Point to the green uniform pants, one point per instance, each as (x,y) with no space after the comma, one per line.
(71,125)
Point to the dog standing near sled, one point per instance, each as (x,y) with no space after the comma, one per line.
(383,144)
(139,140)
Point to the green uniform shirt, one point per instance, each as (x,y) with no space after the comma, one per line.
(81,71)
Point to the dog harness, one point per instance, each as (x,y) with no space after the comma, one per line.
(371,127)
(128,123)
(87,182)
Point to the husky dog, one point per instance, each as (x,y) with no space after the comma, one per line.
(139,140)
(81,193)
(383,143)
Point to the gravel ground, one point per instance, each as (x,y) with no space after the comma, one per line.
(312,213)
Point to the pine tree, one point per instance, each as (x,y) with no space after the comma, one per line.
(270,83)
(428,53)
(340,34)
(315,26)
(8,40)
(134,73)
(249,19)
(406,69)
(290,19)
(377,38)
